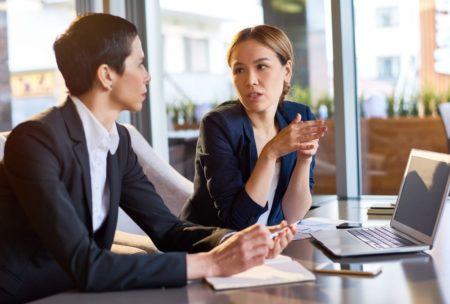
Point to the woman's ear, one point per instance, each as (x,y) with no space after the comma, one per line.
(288,67)
(105,77)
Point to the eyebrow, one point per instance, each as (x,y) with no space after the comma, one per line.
(254,61)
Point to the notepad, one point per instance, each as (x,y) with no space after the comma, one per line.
(381,209)
(281,270)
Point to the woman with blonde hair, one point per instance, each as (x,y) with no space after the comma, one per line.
(255,156)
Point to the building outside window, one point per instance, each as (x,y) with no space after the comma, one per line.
(387,16)
(388,67)
(197,55)
(399,90)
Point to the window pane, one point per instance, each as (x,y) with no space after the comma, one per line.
(33,82)
(402,79)
(197,78)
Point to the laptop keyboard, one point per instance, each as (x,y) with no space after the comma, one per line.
(380,237)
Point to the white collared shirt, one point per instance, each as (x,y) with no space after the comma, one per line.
(99,141)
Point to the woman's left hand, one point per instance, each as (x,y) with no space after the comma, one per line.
(308,149)
(285,234)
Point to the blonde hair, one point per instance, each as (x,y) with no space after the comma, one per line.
(271,37)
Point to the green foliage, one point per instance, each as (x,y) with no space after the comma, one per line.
(428,101)
(299,94)
(328,103)
(402,109)
(414,106)
(182,112)
(391,104)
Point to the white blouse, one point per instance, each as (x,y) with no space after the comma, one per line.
(273,187)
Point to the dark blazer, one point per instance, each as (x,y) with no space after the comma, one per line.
(225,158)
(47,241)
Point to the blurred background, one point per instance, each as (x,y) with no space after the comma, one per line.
(402,68)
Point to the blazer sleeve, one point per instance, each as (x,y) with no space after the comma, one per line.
(218,152)
(143,204)
(33,162)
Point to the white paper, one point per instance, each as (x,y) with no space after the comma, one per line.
(313,224)
(280,270)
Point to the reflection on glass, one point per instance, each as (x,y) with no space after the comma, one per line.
(421,275)
(402,78)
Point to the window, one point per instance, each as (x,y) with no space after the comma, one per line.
(398,88)
(388,67)
(196,54)
(33,82)
(387,16)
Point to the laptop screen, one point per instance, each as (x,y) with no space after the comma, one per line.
(422,193)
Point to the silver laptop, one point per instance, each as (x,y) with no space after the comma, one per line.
(414,223)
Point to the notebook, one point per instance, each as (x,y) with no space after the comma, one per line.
(281,270)
(415,221)
(381,209)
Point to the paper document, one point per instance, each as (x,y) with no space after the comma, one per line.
(313,224)
(280,270)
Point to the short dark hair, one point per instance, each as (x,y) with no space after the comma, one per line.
(90,41)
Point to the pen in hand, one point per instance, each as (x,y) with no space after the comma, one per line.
(277,232)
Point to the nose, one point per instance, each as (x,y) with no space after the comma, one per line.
(252,78)
(147,77)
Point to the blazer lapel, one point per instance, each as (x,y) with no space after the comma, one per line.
(113,179)
(76,133)
(252,151)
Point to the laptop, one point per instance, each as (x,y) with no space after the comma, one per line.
(415,221)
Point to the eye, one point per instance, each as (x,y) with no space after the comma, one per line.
(238,70)
(262,66)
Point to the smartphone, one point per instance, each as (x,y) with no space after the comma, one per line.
(348,225)
(347,268)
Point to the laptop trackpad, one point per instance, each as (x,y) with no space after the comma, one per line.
(341,242)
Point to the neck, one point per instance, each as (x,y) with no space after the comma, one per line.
(263,121)
(101,108)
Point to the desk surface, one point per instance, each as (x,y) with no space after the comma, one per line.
(405,278)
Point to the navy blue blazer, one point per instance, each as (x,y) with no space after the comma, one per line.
(225,157)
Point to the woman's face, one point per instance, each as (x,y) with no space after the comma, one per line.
(130,89)
(258,76)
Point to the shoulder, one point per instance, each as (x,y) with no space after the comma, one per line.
(229,113)
(289,109)
(47,123)
(227,110)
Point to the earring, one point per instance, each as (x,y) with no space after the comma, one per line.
(110,86)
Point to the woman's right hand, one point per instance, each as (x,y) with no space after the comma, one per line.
(294,137)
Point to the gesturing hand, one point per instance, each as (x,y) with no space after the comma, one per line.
(301,136)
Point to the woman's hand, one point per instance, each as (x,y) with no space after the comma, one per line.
(301,136)
(241,251)
(307,150)
(285,234)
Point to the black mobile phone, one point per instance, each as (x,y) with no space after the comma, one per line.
(348,225)
(347,268)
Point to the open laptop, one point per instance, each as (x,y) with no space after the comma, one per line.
(414,224)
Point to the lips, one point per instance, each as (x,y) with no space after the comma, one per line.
(254,95)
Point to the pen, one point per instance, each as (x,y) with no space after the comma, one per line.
(276,233)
